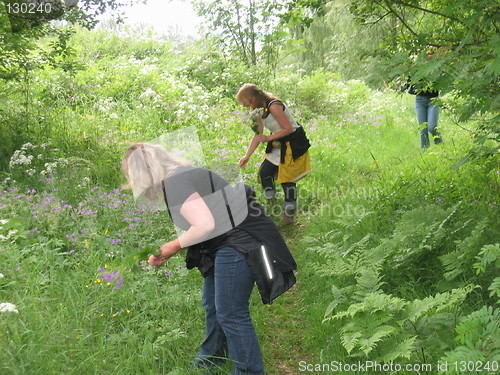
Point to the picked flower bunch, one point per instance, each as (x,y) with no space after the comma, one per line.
(250,118)
(133,257)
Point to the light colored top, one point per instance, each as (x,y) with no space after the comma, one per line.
(270,123)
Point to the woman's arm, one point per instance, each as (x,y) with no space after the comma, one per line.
(199,216)
(202,222)
(254,143)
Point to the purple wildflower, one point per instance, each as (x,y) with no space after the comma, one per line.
(112,277)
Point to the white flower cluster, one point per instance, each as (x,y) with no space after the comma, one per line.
(8,307)
(9,234)
(20,158)
(148,93)
(106,105)
(147,69)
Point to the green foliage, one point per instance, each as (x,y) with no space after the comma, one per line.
(386,328)
(460,261)
(478,342)
(216,71)
(393,42)
(337,43)
(247,29)
(322,92)
(18,43)
(462,34)
(388,300)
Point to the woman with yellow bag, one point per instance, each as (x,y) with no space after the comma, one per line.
(287,157)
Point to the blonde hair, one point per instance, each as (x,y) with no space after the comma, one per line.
(146,165)
(252,92)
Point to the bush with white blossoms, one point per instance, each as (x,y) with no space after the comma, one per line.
(44,161)
(20,158)
(8,307)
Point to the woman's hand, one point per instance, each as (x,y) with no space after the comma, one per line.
(156,260)
(262,138)
(243,161)
(166,251)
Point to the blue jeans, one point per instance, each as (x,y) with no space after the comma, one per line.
(427,116)
(229,327)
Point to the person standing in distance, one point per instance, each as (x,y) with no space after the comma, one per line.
(427,110)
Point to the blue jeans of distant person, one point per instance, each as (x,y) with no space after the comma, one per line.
(427,116)
(229,327)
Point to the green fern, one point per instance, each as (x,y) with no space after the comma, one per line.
(419,231)
(459,262)
(339,297)
(382,327)
(479,338)
(437,231)
(350,340)
(368,281)
(436,304)
(488,254)
(395,349)
(479,325)
(366,345)
(369,322)
(379,326)
(346,260)
(495,288)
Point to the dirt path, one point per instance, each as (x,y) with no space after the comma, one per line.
(287,327)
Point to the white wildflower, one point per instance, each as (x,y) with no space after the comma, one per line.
(1,276)
(49,167)
(27,146)
(149,92)
(147,69)
(4,221)
(62,161)
(8,307)
(20,158)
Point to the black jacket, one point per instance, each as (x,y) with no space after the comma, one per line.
(298,142)
(272,257)
(270,261)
